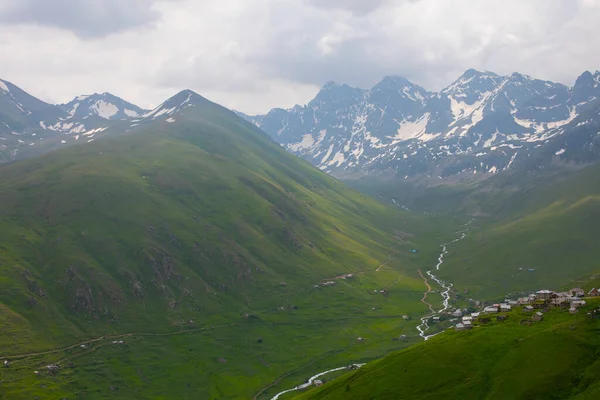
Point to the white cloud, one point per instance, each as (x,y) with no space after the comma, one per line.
(256,55)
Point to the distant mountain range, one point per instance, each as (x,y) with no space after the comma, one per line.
(29,126)
(479,125)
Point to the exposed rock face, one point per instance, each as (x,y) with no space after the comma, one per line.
(479,125)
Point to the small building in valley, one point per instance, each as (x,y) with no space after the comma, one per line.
(318,383)
(460,327)
(577,292)
(537,317)
(528,309)
(545,294)
(578,303)
(594,292)
(573,310)
(524,300)
(490,309)
(457,313)
(468,324)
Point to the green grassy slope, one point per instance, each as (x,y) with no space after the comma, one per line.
(556,358)
(205,232)
(551,226)
(547,221)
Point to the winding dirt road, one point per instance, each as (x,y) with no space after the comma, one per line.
(424,299)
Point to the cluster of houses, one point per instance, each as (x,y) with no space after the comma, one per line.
(542,299)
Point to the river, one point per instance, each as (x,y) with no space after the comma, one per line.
(311,381)
(446,286)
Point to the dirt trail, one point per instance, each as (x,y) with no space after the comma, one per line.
(384,264)
(343,276)
(424,299)
(112,337)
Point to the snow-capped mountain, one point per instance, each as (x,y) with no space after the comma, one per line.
(181,101)
(29,126)
(480,124)
(104,105)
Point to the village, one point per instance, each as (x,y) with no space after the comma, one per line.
(535,304)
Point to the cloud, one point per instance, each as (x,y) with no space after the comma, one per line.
(275,53)
(85,18)
(360,7)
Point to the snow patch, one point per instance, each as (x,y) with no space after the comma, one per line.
(307,142)
(3,87)
(410,130)
(328,154)
(560,152)
(338,159)
(74,109)
(104,109)
(130,113)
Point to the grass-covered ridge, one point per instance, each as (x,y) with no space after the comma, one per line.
(557,358)
(207,233)
(547,221)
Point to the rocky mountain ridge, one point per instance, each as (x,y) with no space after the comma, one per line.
(479,125)
(29,126)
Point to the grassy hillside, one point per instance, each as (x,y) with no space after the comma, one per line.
(204,247)
(556,358)
(549,226)
(547,221)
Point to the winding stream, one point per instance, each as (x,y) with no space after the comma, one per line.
(423,327)
(311,381)
(446,286)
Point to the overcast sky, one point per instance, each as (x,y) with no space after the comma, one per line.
(259,54)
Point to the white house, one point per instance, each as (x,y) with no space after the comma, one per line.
(490,309)
(578,303)
(457,313)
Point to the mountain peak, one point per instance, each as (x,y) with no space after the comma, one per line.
(471,72)
(396,79)
(186,96)
(520,77)
(472,83)
(104,105)
(180,101)
(330,84)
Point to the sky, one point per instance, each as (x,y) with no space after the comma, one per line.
(255,55)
